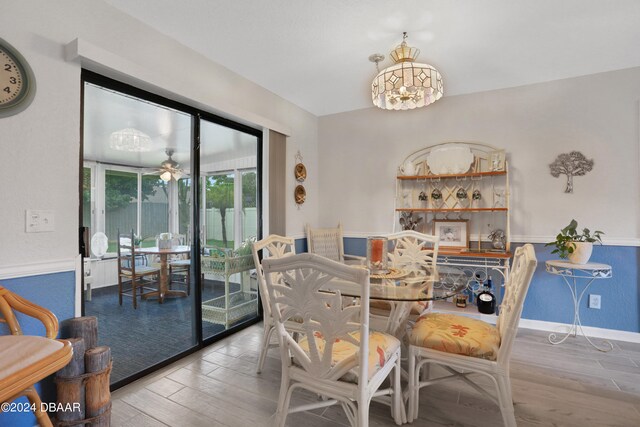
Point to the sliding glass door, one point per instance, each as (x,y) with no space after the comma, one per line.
(194,275)
(228,225)
(137,157)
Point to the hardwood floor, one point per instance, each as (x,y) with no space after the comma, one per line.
(571,384)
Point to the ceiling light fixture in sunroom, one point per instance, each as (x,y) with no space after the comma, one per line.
(130,139)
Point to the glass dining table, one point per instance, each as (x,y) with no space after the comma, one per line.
(399,294)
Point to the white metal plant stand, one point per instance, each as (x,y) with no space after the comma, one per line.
(232,306)
(589,272)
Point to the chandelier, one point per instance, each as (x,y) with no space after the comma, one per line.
(130,139)
(406,84)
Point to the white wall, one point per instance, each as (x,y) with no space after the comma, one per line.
(40,146)
(597,115)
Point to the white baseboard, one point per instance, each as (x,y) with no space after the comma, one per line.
(590,331)
(37,268)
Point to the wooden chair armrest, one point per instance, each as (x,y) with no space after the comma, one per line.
(17,303)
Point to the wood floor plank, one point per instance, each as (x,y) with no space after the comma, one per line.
(167,411)
(616,365)
(566,385)
(629,386)
(122,413)
(164,387)
(234,350)
(221,392)
(223,411)
(201,366)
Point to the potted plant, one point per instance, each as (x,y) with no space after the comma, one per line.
(574,245)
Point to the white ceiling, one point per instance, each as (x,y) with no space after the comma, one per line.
(314,52)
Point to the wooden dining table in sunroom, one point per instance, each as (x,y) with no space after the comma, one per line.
(164,290)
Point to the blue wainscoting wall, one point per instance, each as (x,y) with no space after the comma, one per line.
(56,292)
(549,299)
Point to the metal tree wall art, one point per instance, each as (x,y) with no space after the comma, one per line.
(570,164)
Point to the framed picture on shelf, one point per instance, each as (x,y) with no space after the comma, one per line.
(496,161)
(454,233)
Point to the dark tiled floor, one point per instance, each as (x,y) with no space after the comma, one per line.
(150,334)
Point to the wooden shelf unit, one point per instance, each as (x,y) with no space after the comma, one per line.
(475,254)
(415,198)
(436,210)
(415,193)
(460,175)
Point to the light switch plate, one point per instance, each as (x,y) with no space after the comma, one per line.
(38,221)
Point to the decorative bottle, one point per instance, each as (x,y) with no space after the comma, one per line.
(486,300)
(470,291)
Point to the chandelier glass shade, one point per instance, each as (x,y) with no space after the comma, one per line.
(406,84)
(130,139)
(166,176)
(170,168)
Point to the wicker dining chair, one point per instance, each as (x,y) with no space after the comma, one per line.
(413,252)
(329,243)
(464,346)
(25,359)
(273,246)
(335,354)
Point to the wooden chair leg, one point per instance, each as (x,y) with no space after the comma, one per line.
(119,289)
(41,416)
(133,292)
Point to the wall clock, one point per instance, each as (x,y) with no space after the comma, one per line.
(17,81)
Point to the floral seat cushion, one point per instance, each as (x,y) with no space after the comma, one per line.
(451,333)
(381,347)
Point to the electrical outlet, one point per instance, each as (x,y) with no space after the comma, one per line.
(38,221)
(594,301)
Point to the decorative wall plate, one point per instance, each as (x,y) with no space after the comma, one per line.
(300,172)
(300,194)
(450,159)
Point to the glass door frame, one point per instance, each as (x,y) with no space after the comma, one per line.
(197,115)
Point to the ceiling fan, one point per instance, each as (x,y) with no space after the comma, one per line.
(169,168)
